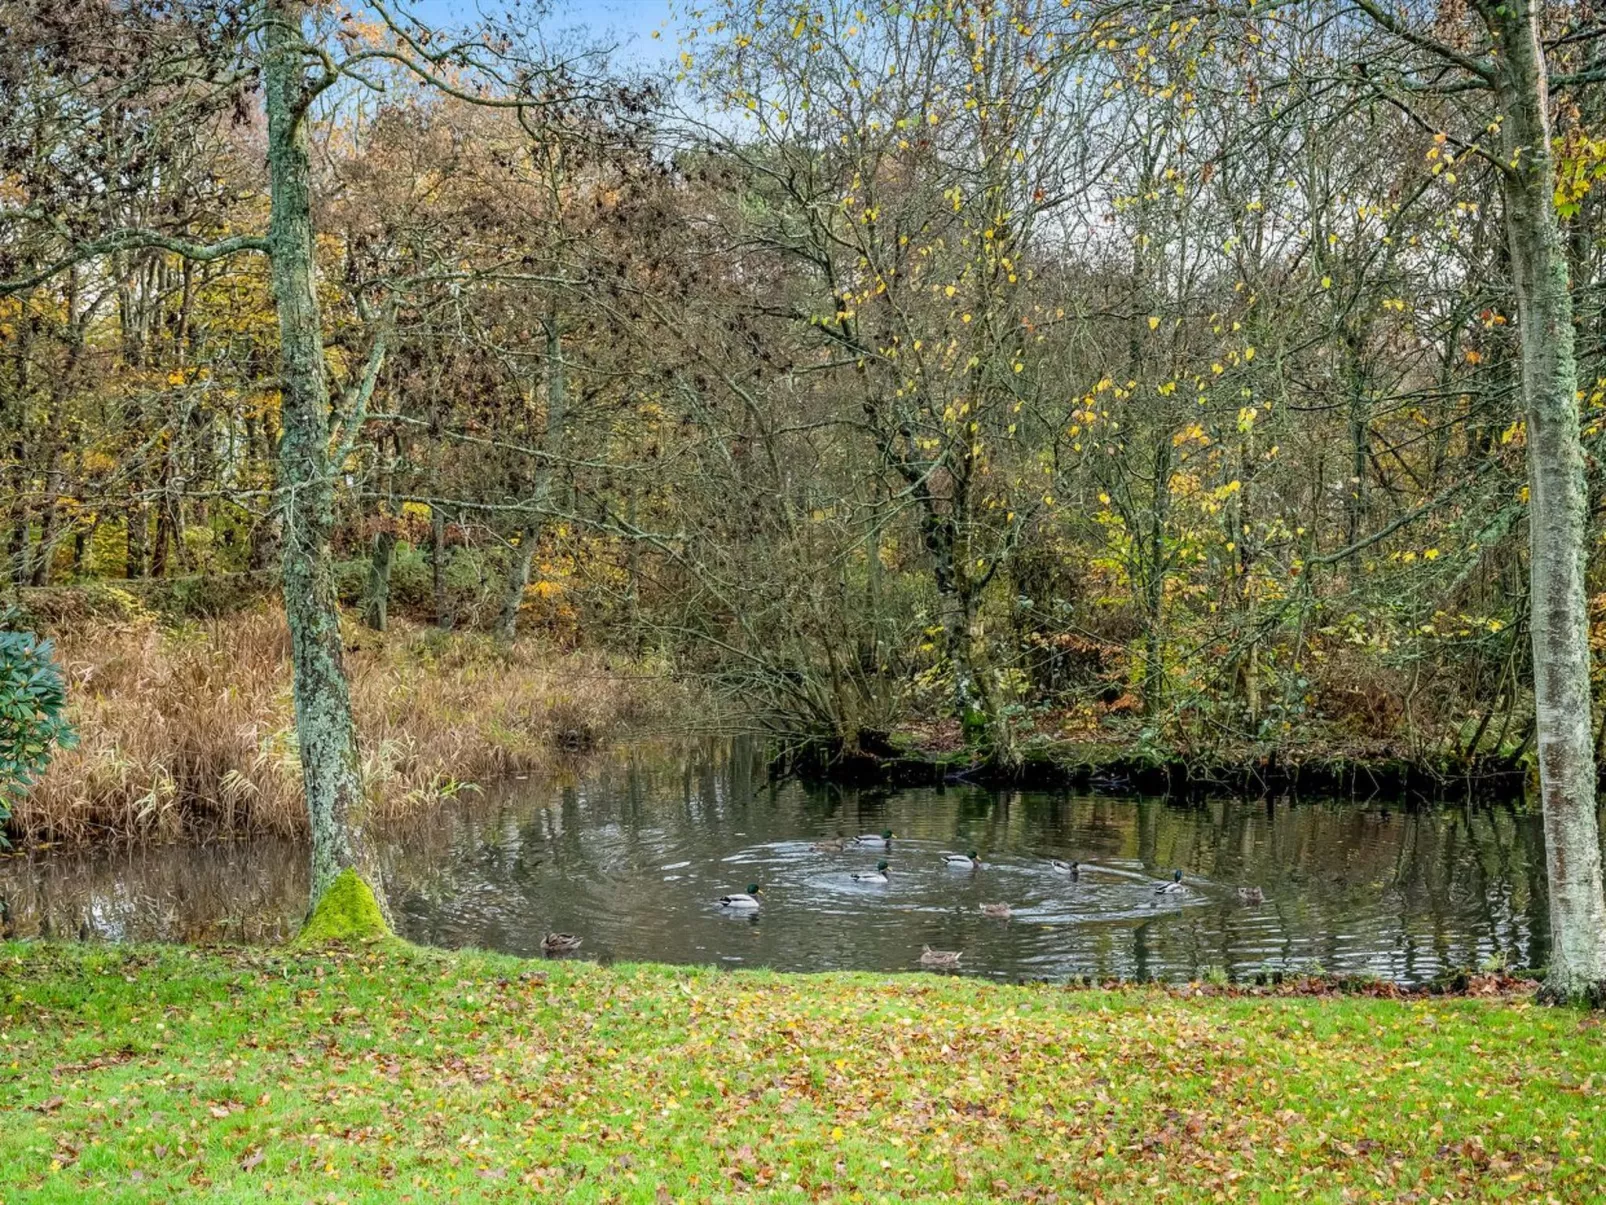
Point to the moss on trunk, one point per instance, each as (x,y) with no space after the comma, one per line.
(347,911)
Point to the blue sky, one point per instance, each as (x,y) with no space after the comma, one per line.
(629,24)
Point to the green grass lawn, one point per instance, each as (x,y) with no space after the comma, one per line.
(395,1074)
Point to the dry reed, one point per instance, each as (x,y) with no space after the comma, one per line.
(186,731)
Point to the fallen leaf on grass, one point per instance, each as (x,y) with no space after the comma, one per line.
(51,1105)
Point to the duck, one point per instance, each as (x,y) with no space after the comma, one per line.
(1073,869)
(884,840)
(962,861)
(940,958)
(878,875)
(559,943)
(1174,887)
(830,845)
(996,911)
(742,899)
(1251,895)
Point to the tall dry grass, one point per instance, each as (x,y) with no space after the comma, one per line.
(186,731)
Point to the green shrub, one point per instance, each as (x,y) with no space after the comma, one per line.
(33,696)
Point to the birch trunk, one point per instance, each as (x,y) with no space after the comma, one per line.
(330,768)
(1557,512)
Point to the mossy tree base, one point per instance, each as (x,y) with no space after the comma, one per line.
(347,911)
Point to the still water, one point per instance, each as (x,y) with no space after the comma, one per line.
(633,855)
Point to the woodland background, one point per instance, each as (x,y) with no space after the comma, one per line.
(1023,371)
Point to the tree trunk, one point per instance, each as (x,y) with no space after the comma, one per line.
(437,567)
(976,688)
(1154,581)
(17,547)
(557,418)
(518,577)
(1360,439)
(49,517)
(330,769)
(136,531)
(376,604)
(376,599)
(1557,513)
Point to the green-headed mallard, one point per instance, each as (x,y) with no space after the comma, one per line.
(884,840)
(1174,887)
(1073,869)
(1251,895)
(940,958)
(742,899)
(996,911)
(829,845)
(878,875)
(962,861)
(559,943)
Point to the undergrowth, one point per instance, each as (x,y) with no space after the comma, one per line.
(186,729)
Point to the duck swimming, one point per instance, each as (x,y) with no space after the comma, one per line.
(1251,895)
(559,943)
(885,839)
(878,875)
(962,861)
(940,958)
(742,899)
(1174,887)
(1073,869)
(996,911)
(831,845)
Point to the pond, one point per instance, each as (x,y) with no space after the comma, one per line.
(634,854)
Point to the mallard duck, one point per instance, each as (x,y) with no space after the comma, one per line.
(1073,869)
(878,875)
(885,839)
(742,899)
(831,845)
(559,943)
(962,861)
(940,958)
(1173,887)
(996,911)
(1251,895)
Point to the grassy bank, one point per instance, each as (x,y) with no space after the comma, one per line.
(185,728)
(401,1074)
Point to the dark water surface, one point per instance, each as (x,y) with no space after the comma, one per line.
(633,856)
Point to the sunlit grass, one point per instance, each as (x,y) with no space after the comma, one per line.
(396,1073)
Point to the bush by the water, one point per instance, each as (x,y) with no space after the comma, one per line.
(33,698)
(186,729)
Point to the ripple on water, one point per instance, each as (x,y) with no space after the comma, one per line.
(635,859)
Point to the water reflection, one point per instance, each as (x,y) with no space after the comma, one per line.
(634,856)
